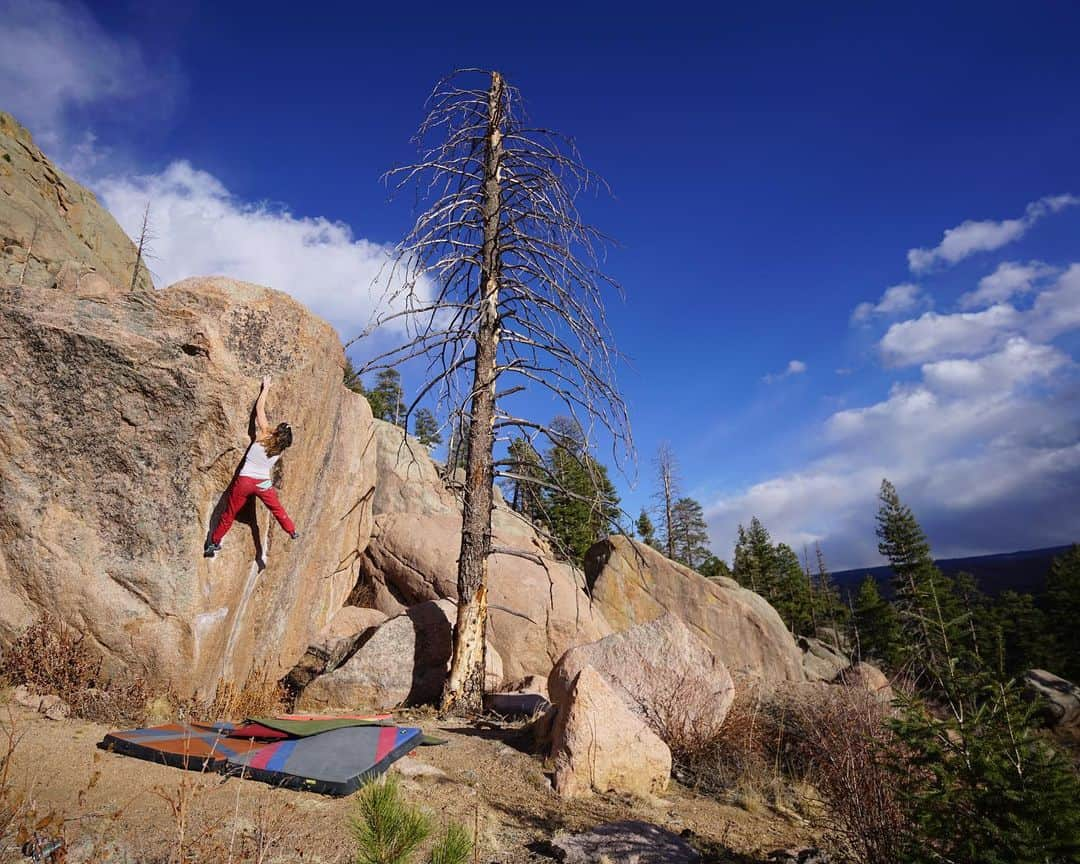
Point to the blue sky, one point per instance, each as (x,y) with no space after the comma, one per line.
(772,168)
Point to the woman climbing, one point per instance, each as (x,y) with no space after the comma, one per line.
(254,476)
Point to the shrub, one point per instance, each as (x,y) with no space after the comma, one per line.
(52,658)
(258,696)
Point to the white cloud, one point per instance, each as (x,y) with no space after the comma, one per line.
(1055,310)
(973,236)
(794,367)
(897,299)
(1010,279)
(933,336)
(201,229)
(986,450)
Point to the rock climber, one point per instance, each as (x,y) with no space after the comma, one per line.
(254,477)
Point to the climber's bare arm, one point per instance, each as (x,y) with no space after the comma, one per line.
(262,425)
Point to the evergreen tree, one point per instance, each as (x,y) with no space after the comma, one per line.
(876,626)
(829,608)
(351,378)
(929,611)
(1063,613)
(754,563)
(646,530)
(388,390)
(689,533)
(714,568)
(426,428)
(790,592)
(526,493)
(1017,635)
(582,504)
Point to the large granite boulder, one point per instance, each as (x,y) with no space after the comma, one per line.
(537,606)
(403,661)
(632,583)
(52,230)
(601,745)
(660,671)
(820,660)
(123,418)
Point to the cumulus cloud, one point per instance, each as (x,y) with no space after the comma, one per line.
(986,450)
(933,336)
(202,229)
(794,367)
(1009,280)
(895,300)
(973,236)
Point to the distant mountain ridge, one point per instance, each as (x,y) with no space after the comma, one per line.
(1023,571)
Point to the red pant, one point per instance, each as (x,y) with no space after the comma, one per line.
(241,489)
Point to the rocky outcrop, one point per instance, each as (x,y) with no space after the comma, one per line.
(403,661)
(537,606)
(333,645)
(864,676)
(632,584)
(1060,700)
(53,232)
(601,745)
(660,671)
(122,422)
(820,660)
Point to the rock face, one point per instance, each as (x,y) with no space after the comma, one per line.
(537,608)
(601,745)
(632,584)
(333,645)
(659,670)
(821,661)
(403,661)
(1062,700)
(122,422)
(52,230)
(866,677)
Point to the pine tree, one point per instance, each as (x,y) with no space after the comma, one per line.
(1063,613)
(790,592)
(351,378)
(754,564)
(876,626)
(646,530)
(527,486)
(426,428)
(388,390)
(715,568)
(689,533)
(929,612)
(829,608)
(582,502)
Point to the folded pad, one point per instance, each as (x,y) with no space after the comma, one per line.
(335,762)
(181,745)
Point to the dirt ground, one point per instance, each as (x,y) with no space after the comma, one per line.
(115,808)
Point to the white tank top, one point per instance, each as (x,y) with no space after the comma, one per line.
(257,464)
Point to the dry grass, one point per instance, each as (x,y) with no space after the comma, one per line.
(53,659)
(258,696)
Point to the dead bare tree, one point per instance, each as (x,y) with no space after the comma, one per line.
(145,236)
(667,476)
(499,280)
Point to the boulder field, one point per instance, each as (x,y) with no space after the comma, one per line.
(125,413)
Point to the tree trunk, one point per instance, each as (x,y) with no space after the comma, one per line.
(465,687)
(667,513)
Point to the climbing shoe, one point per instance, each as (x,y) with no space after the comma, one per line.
(210,549)
(295,535)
